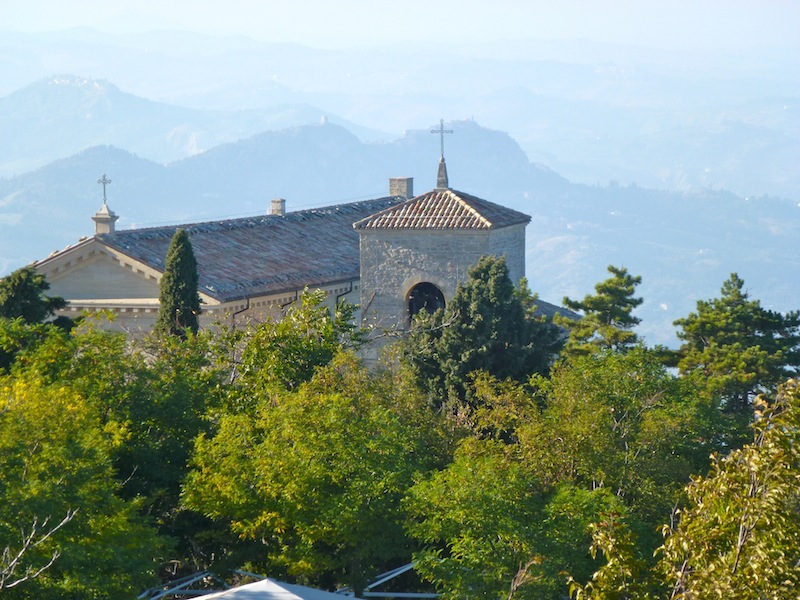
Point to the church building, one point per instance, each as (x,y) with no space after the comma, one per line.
(393,256)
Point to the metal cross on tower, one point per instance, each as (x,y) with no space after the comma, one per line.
(441,131)
(104,181)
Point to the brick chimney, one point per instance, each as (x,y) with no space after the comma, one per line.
(401,186)
(278,207)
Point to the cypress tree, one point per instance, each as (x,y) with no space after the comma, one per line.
(179,303)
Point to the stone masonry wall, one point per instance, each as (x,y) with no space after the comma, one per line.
(510,242)
(392,262)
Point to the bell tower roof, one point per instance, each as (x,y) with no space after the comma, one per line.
(443,209)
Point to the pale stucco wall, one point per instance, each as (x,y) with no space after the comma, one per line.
(138,315)
(100,275)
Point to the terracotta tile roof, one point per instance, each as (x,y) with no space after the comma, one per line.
(444,209)
(253,256)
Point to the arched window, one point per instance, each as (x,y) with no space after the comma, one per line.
(424,296)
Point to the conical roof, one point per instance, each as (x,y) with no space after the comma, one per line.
(444,209)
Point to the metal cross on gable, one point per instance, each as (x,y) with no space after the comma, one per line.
(104,181)
(441,131)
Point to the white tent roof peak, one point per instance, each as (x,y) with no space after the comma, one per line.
(268,589)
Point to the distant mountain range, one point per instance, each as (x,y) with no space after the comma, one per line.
(683,244)
(596,113)
(64,114)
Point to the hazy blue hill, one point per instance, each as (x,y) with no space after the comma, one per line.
(50,208)
(683,244)
(307,165)
(326,163)
(61,115)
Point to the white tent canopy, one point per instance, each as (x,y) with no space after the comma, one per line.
(268,589)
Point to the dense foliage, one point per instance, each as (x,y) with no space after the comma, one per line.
(57,462)
(489,326)
(318,474)
(738,535)
(22,295)
(500,464)
(23,299)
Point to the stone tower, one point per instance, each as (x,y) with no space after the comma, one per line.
(414,254)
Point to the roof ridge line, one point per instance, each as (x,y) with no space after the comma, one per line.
(185,225)
(472,209)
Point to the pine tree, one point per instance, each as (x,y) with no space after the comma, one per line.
(738,348)
(179,300)
(607,321)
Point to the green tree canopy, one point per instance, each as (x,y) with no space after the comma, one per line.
(151,396)
(55,462)
(317,474)
(493,529)
(608,320)
(17,336)
(284,353)
(624,422)
(488,326)
(179,302)
(22,295)
(609,434)
(738,535)
(737,348)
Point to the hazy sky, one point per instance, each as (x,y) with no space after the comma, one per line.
(339,23)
